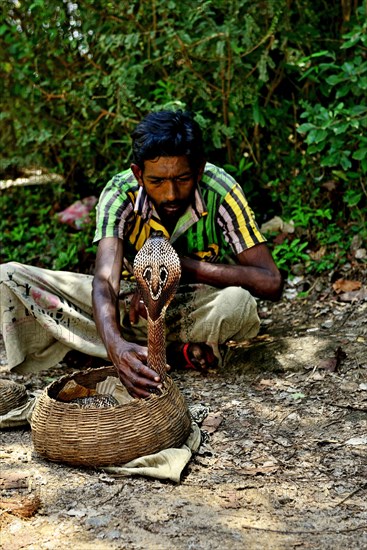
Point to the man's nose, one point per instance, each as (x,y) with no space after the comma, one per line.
(171,191)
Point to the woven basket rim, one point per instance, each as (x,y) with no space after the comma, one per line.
(100,374)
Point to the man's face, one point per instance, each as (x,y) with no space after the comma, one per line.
(169,183)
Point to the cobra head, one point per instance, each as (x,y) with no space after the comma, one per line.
(157,270)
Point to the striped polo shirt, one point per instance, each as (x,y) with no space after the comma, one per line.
(217,226)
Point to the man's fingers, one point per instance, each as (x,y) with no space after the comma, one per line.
(138,393)
(137,309)
(133,313)
(144,373)
(141,388)
(139,380)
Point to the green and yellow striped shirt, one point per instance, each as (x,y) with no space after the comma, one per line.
(217,226)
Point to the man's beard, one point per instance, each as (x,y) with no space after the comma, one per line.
(173,210)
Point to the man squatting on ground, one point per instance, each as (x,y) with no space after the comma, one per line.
(224,259)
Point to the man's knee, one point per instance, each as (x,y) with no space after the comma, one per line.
(234,298)
(239,310)
(7,270)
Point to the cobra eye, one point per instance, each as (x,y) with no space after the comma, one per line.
(147,274)
(163,274)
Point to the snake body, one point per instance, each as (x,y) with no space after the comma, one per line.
(157,271)
(98,401)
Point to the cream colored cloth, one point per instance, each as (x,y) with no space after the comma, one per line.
(44,314)
(167,464)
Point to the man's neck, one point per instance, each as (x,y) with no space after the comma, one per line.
(169,225)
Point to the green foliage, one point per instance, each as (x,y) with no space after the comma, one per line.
(83,74)
(290,252)
(327,197)
(284,114)
(336,127)
(31,233)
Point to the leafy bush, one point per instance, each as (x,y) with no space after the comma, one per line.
(31,233)
(337,124)
(77,77)
(327,197)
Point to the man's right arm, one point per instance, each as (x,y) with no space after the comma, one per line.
(129,358)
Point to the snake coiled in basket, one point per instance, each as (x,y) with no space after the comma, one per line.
(64,432)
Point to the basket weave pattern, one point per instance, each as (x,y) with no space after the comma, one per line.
(12,396)
(63,432)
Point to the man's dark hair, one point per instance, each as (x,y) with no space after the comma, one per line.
(168,134)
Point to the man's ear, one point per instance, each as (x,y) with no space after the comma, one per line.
(138,173)
(201,170)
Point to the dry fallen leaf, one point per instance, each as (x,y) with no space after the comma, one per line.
(353,296)
(345,285)
(333,363)
(277,225)
(318,254)
(266,382)
(24,507)
(212,422)
(13,480)
(231,501)
(329,185)
(359,440)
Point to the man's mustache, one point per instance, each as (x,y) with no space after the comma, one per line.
(173,204)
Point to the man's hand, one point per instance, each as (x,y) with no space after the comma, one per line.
(137,309)
(130,361)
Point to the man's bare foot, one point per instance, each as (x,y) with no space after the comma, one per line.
(198,356)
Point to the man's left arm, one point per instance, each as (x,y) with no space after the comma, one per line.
(255,271)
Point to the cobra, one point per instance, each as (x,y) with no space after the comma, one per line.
(157,271)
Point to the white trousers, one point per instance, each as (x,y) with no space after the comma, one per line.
(44,314)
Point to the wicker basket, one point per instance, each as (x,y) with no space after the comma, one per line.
(12,396)
(63,432)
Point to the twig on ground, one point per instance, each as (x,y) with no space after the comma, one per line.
(361,488)
(311,532)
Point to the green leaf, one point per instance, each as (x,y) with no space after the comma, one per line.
(340,128)
(334,79)
(257,115)
(350,43)
(306,127)
(316,147)
(316,135)
(352,198)
(360,154)
(345,162)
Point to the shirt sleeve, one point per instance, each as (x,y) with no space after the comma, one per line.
(237,221)
(113,209)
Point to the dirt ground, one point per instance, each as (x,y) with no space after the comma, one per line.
(286,462)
